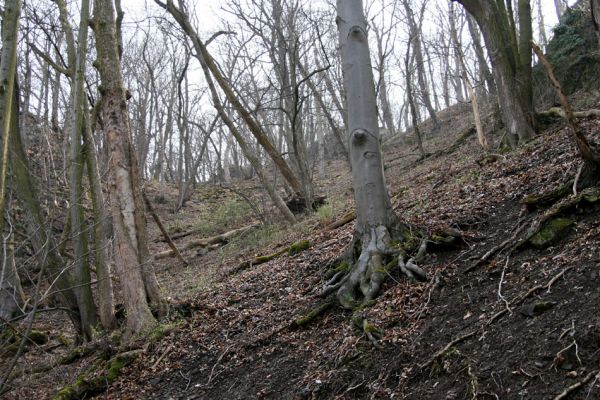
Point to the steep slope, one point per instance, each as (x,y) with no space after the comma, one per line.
(521,325)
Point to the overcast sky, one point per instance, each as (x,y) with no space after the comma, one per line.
(209,11)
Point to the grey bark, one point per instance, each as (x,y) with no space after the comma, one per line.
(375,220)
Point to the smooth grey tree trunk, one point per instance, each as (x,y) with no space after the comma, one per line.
(376,222)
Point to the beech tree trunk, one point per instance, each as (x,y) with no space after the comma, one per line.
(138,281)
(511,62)
(376,223)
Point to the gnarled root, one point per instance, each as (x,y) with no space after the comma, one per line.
(361,281)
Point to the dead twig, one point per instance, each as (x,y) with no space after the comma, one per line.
(500,296)
(518,299)
(162,356)
(446,348)
(576,386)
(496,249)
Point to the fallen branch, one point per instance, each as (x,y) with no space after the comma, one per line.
(208,242)
(291,250)
(163,230)
(446,348)
(520,298)
(557,112)
(576,386)
(351,216)
(319,310)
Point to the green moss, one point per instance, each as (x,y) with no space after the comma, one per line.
(38,337)
(592,195)
(298,247)
(551,232)
(12,348)
(305,319)
(342,266)
(269,257)
(75,354)
(66,393)
(372,329)
(85,385)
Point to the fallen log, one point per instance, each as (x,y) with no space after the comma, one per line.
(351,216)
(208,243)
(290,250)
(559,113)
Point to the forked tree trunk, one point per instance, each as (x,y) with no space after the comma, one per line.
(511,62)
(376,223)
(138,281)
(470,90)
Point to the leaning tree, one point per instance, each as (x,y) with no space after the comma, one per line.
(378,230)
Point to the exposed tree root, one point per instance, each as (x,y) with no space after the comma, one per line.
(520,298)
(371,257)
(548,198)
(320,309)
(445,349)
(576,386)
(493,251)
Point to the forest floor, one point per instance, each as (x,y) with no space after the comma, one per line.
(524,324)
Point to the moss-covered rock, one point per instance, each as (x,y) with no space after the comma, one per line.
(574,54)
(91,382)
(38,337)
(551,232)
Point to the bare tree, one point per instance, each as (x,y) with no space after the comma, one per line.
(415,23)
(138,281)
(511,57)
(376,223)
